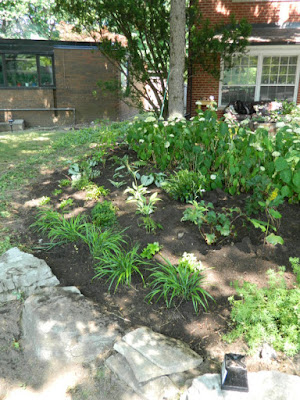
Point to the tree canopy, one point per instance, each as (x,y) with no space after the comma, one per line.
(23,18)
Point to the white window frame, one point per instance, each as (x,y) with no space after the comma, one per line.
(260,52)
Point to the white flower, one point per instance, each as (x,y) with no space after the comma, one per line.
(198,103)
(213,177)
(167,144)
(141,141)
(275,154)
(201,119)
(262,168)
(289,130)
(171,135)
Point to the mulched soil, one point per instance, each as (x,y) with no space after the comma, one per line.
(240,257)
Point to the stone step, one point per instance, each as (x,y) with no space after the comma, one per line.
(168,354)
(155,389)
(17,125)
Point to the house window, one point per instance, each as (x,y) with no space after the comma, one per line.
(26,70)
(239,82)
(260,77)
(278,78)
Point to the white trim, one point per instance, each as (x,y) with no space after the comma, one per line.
(260,52)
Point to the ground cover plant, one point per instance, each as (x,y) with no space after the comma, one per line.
(201,273)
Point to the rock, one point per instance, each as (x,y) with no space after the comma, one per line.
(264,385)
(156,389)
(180,235)
(267,353)
(143,369)
(22,273)
(169,354)
(60,324)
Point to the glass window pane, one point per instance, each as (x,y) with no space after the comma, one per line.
(274,70)
(233,93)
(293,60)
(275,60)
(46,71)
(267,60)
(290,79)
(292,70)
(21,70)
(271,93)
(265,79)
(284,60)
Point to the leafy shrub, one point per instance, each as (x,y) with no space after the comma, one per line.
(119,266)
(270,314)
(185,185)
(211,224)
(177,283)
(104,214)
(231,155)
(150,251)
(94,192)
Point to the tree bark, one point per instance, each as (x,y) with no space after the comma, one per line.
(177,58)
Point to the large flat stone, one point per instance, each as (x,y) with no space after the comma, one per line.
(264,385)
(23,273)
(169,354)
(143,369)
(156,389)
(59,324)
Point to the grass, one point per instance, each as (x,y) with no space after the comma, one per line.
(28,155)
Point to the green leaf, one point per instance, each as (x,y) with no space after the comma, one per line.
(275,214)
(259,224)
(210,238)
(286,191)
(286,175)
(274,239)
(147,180)
(296,180)
(281,164)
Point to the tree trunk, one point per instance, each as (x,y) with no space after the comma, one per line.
(177,58)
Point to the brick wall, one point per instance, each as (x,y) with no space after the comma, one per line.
(254,11)
(77,72)
(218,11)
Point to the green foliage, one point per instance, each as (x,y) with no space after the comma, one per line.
(185,185)
(149,224)
(66,204)
(150,251)
(56,192)
(94,192)
(177,283)
(101,241)
(104,214)
(273,217)
(24,18)
(145,26)
(144,206)
(296,267)
(59,229)
(5,243)
(267,315)
(64,183)
(119,266)
(44,200)
(211,224)
(227,157)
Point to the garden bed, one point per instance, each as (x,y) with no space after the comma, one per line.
(241,256)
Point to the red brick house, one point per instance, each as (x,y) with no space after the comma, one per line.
(49,83)
(271,68)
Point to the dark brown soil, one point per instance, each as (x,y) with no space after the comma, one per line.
(240,257)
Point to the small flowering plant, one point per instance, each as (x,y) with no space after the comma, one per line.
(190,261)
